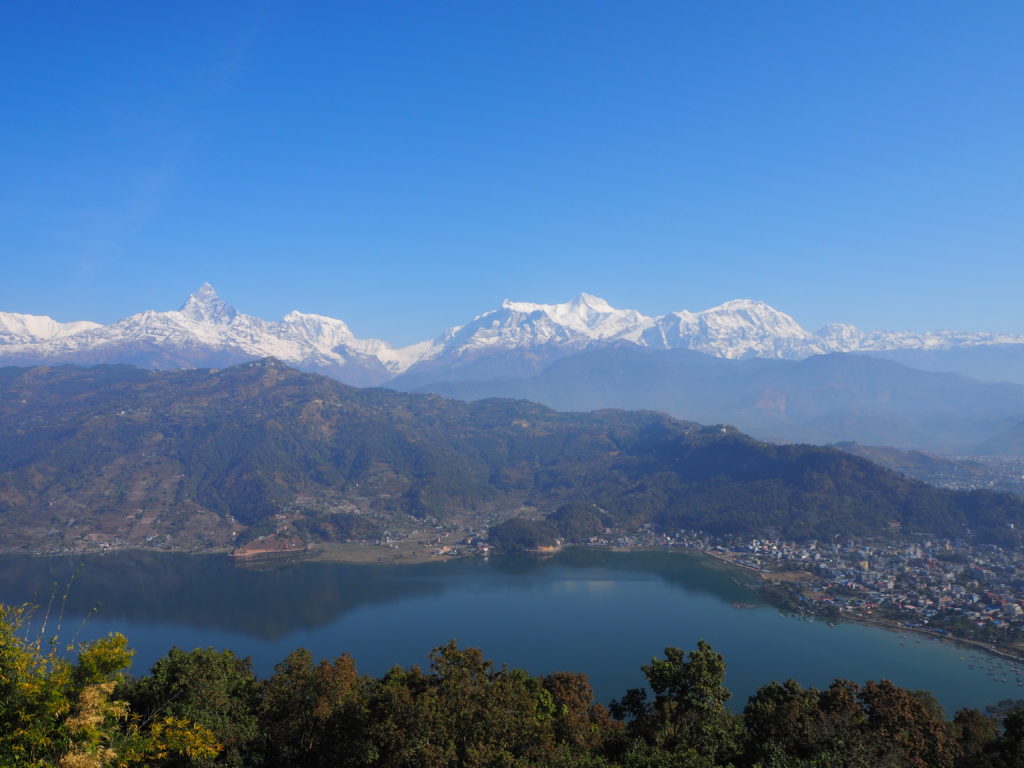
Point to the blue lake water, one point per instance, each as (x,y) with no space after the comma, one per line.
(594,611)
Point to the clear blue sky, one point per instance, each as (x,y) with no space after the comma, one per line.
(407,165)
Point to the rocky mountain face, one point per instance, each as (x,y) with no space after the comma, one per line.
(517,339)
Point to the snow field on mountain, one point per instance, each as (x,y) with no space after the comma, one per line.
(207,330)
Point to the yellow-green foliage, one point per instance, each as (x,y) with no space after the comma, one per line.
(57,713)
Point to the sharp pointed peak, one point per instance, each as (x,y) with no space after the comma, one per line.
(205,306)
(204,292)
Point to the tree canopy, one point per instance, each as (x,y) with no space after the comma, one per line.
(204,708)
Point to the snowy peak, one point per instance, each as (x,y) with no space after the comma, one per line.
(753,313)
(590,302)
(740,305)
(841,336)
(581,304)
(519,337)
(752,317)
(585,316)
(205,306)
(323,332)
(207,331)
(736,329)
(33,328)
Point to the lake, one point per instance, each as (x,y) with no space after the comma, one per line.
(595,611)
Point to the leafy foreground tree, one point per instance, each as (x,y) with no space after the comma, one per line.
(214,689)
(57,713)
(205,708)
(687,723)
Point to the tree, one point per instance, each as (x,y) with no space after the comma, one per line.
(688,716)
(975,735)
(57,713)
(908,726)
(784,718)
(1009,749)
(314,714)
(488,712)
(579,723)
(215,689)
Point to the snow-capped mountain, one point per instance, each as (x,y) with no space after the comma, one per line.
(736,329)
(30,329)
(208,332)
(584,319)
(518,338)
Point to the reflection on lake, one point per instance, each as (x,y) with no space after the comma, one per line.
(600,612)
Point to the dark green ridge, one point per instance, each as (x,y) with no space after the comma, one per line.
(97,443)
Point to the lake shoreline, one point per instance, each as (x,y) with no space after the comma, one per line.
(342,554)
(377,554)
(607,612)
(893,625)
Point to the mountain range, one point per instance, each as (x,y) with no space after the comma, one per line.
(741,363)
(820,399)
(516,339)
(192,458)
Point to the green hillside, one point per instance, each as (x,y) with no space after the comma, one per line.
(199,454)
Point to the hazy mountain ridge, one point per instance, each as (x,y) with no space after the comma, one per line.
(115,450)
(518,338)
(820,399)
(995,472)
(1008,442)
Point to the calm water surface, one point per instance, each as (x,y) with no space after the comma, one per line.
(603,613)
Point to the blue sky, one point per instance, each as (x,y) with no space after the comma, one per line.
(407,165)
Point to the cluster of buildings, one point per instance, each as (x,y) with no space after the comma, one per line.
(949,587)
(967,473)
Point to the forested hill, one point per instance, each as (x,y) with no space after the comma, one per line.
(205,452)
